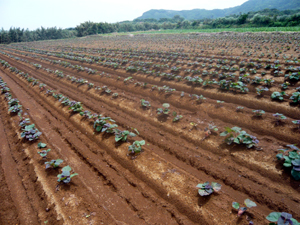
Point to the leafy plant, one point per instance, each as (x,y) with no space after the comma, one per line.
(176,117)
(23,122)
(100,123)
(122,135)
(76,106)
(165,110)
(248,203)
(54,163)
(296,97)
(258,112)
(278,95)
(281,218)
(44,153)
(66,175)
(285,85)
(238,136)
(41,145)
(297,122)
(145,103)
(239,109)
(136,147)
(291,158)
(260,90)
(205,189)
(279,117)
(30,132)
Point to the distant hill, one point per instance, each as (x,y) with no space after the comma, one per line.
(194,14)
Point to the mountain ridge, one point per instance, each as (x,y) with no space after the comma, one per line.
(195,14)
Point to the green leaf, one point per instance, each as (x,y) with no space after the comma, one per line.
(142,142)
(295,222)
(294,155)
(216,186)
(273,216)
(74,174)
(235,205)
(295,174)
(66,169)
(42,145)
(249,203)
(223,134)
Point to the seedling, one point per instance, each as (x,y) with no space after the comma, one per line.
(281,218)
(205,189)
(44,153)
(261,90)
(122,135)
(66,175)
(194,126)
(115,95)
(291,159)
(258,112)
(248,203)
(23,122)
(279,117)
(176,117)
(101,122)
(297,122)
(76,106)
(30,132)
(136,147)
(145,103)
(42,145)
(239,109)
(278,95)
(54,163)
(285,85)
(296,97)
(239,136)
(165,110)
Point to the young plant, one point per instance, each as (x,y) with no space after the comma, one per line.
(260,90)
(291,158)
(176,117)
(76,106)
(281,218)
(296,97)
(41,145)
(239,109)
(136,147)
(66,175)
(122,135)
(239,136)
(279,117)
(278,95)
(165,110)
(297,122)
(30,132)
(100,123)
(145,103)
(248,203)
(54,163)
(205,189)
(44,153)
(23,122)
(258,112)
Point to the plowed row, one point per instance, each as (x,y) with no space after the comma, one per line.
(156,187)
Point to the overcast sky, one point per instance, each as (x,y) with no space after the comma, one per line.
(33,14)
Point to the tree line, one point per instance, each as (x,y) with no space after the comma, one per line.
(264,18)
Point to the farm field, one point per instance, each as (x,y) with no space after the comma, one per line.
(222,107)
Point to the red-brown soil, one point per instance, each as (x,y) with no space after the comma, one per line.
(159,185)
